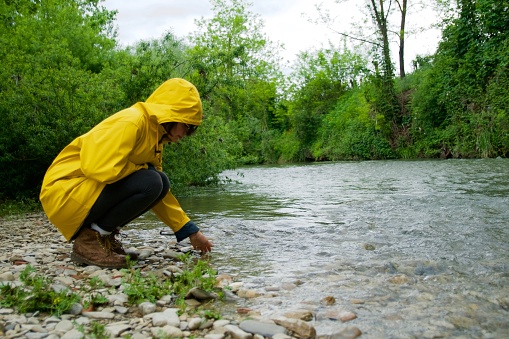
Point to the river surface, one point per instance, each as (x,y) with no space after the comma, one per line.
(413,248)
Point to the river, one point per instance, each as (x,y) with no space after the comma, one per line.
(413,248)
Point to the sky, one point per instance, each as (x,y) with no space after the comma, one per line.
(285,21)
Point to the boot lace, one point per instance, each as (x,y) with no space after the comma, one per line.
(105,242)
(115,243)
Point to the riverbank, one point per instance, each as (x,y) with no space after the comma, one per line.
(31,241)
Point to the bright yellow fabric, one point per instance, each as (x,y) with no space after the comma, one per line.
(118,146)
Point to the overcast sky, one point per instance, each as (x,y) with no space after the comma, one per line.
(285,22)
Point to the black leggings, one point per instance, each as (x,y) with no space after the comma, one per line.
(125,200)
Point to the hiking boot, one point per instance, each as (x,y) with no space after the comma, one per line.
(91,248)
(117,247)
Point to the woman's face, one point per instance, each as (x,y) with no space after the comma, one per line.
(177,132)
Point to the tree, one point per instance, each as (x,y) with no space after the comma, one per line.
(55,83)
(236,70)
(319,80)
(462,101)
(148,64)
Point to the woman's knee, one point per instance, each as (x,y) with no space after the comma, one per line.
(151,182)
(166,182)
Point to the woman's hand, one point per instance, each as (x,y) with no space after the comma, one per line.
(200,242)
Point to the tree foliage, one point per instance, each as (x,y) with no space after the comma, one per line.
(461,95)
(63,72)
(55,83)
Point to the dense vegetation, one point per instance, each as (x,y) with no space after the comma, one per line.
(63,71)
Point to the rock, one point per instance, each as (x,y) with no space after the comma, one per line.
(116,330)
(64,326)
(236,286)
(206,323)
(121,309)
(38,329)
(117,299)
(82,321)
(281,336)
(145,253)
(399,279)
(192,302)
(167,317)
(173,269)
(357,301)
(167,331)
(51,319)
(223,280)
(300,314)
(67,281)
(220,323)
(369,247)
(263,328)
(288,286)
(328,301)
(35,335)
(347,333)
(99,315)
(272,288)
(237,333)
(214,336)
(247,294)
(171,255)
(147,307)
(6,311)
(342,315)
(76,309)
(7,276)
(200,294)
(194,323)
(296,327)
(73,334)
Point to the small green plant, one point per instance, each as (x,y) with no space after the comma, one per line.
(36,295)
(98,331)
(140,288)
(211,314)
(196,274)
(94,298)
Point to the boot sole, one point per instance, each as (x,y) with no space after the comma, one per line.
(84,261)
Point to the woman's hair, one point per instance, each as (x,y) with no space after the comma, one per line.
(169,125)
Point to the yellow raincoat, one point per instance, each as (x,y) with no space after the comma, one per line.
(121,144)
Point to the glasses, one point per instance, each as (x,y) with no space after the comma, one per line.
(190,129)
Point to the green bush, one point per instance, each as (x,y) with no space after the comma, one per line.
(352,131)
(55,84)
(198,160)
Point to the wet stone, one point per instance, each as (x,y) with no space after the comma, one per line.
(263,328)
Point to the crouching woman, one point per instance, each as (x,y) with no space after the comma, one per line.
(112,174)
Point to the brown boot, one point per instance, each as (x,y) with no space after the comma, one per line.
(117,247)
(91,248)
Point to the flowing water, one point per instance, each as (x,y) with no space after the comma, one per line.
(413,248)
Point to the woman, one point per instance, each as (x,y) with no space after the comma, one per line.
(111,175)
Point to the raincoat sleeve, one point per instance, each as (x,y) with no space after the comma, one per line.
(168,210)
(105,153)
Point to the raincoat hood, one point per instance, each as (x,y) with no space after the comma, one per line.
(176,100)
